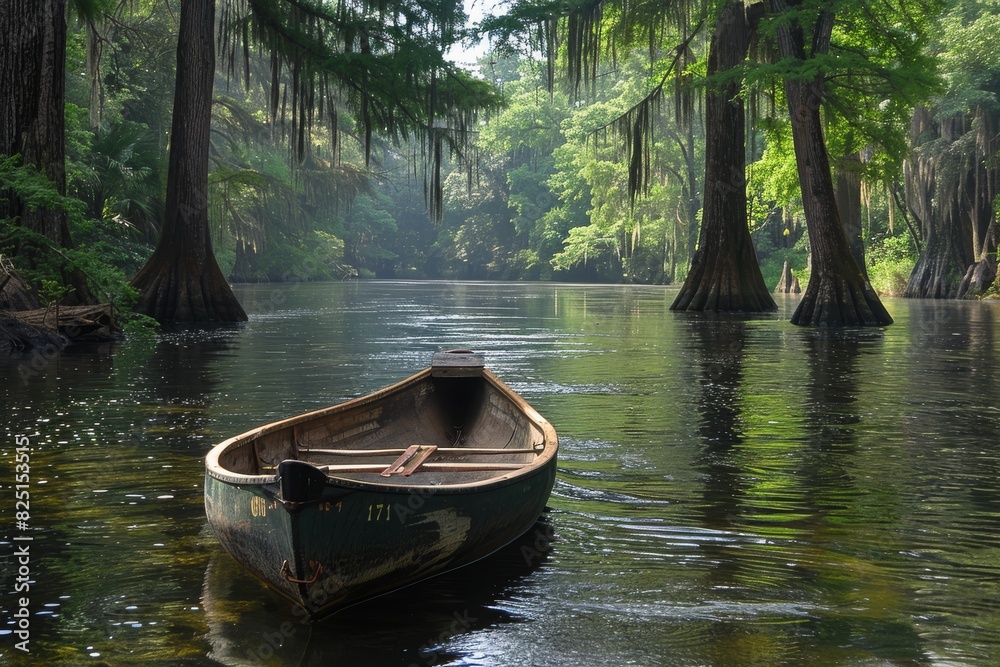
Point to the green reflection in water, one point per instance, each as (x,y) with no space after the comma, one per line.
(731,492)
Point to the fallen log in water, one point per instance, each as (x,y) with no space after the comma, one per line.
(57,325)
(16,336)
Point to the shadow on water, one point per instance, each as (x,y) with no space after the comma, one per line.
(251,625)
(719,347)
(730,491)
(784,477)
(178,384)
(116,511)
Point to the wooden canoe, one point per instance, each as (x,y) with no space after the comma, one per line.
(339,505)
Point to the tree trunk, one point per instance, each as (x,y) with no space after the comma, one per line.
(724,274)
(937,193)
(182,281)
(693,203)
(848,192)
(243,267)
(32,87)
(838,293)
(32,122)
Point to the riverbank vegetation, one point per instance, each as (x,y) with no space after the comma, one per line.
(663,143)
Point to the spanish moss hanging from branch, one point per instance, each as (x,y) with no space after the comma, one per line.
(635,127)
(380,62)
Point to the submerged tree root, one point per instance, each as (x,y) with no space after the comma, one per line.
(838,302)
(718,284)
(178,293)
(57,327)
(16,336)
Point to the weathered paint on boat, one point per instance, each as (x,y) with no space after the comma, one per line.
(333,534)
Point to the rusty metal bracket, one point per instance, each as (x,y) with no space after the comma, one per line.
(286,573)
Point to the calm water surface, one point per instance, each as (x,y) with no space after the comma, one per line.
(730,492)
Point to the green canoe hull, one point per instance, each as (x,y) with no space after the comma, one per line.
(354,544)
(343,504)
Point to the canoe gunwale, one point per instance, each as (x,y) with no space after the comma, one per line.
(545,451)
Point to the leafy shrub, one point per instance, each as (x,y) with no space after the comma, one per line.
(890,261)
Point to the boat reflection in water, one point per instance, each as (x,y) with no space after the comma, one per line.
(250,625)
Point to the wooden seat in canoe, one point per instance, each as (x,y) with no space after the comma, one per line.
(426,467)
(456,451)
(409,460)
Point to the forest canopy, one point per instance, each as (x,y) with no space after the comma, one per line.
(599,141)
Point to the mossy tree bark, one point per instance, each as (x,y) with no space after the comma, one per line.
(947,250)
(724,274)
(950,188)
(32,122)
(838,293)
(32,76)
(847,184)
(182,281)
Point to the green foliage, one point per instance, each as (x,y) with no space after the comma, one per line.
(330,253)
(36,258)
(604,234)
(41,263)
(317,256)
(877,69)
(382,64)
(33,257)
(79,139)
(969,56)
(882,70)
(368,230)
(115,241)
(93,9)
(773,180)
(33,188)
(275,219)
(890,261)
(118,175)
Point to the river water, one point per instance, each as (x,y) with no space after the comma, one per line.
(731,491)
